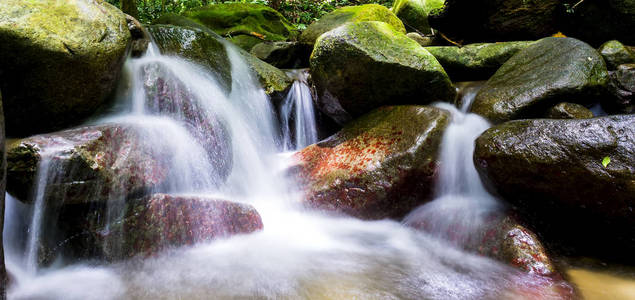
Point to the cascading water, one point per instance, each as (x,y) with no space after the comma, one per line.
(299,254)
(297,114)
(462,205)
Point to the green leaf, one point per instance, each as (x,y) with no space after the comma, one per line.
(605,161)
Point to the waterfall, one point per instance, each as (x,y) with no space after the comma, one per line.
(225,144)
(462,205)
(298,114)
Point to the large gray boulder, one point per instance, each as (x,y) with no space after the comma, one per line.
(60,61)
(540,76)
(574,179)
(361,66)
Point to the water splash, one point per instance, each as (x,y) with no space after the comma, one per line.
(297,113)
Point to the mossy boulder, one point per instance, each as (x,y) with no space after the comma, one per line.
(86,164)
(414,13)
(286,55)
(475,61)
(244,24)
(363,65)
(622,88)
(573,179)
(377,166)
(540,76)
(597,21)
(340,16)
(195,45)
(60,61)
(615,54)
(273,80)
(497,20)
(566,110)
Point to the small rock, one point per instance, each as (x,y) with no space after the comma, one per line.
(566,110)
(615,54)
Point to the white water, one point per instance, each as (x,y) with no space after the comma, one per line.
(462,205)
(298,109)
(299,254)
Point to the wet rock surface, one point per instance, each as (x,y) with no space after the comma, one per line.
(574,179)
(622,90)
(364,65)
(86,42)
(475,61)
(615,54)
(414,13)
(540,76)
(88,164)
(377,166)
(566,110)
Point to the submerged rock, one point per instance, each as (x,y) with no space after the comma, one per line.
(364,65)
(497,20)
(622,88)
(566,110)
(501,237)
(543,74)
(340,16)
(475,61)
(574,179)
(86,41)
(615,54)
(414,13)
(196,45)
(288,55)
(377,166)
(88,164)
(244,24)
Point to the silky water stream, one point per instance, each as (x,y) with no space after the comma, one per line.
(299,254)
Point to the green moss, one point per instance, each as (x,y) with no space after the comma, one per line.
(245,24)
(475,61)
(615,54)
(414,13)
(367,12)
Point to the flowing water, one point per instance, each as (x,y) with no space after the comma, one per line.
(297,114)
(299,254)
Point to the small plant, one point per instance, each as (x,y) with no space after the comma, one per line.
(606,161)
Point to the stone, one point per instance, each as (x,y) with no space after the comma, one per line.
(573,180)
(622,90)
(615,54)
(364,65)
(566,110)
(475,61)
(140,38)
(244,24)
(377,166)
(340,16)
(540,76)
(422,40)
(414,13)
(39,40)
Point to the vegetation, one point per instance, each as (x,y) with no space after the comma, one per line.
(300,12)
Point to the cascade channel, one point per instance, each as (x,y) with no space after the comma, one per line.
(299,254)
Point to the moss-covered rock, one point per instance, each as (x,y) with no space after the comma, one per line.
(622,88)
(475,61)
(497,20)
(414,13)
(574,179)
(566,110)
(363,65)
(195,45)
(85,41)
(244,24)
(340,16)
(377,166)
(422,40)
(273,80)
(615,54)
(286,55)
(87,164)
(541,76)
(597,21)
